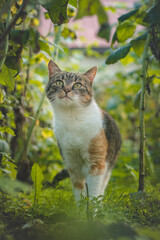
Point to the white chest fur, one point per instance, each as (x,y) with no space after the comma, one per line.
(74,130)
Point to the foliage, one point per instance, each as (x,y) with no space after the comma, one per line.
(28,145)
(37,178)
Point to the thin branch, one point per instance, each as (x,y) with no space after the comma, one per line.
(142,114)
(5,44)
(14,20)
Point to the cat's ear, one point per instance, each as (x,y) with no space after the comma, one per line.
(91,73)
(52,68)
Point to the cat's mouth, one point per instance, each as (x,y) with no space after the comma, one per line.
(67,97)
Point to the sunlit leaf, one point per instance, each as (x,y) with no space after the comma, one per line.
(68,33)
(125,30)
(138,47)
(37,178)
(46,133)
(138,44)
(6,77)
(9,131)
(118,54)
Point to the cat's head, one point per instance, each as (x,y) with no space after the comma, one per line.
(66,89)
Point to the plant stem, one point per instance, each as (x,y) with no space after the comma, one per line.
(56,41)
(29,134)
(14,20)
(142,114)
(5,43)
(87,191)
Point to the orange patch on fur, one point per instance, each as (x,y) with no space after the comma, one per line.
(98,152)
(79,185)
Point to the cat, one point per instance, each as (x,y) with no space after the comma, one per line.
(88,138)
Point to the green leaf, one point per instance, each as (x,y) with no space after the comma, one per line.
(125,30)
(14,62)
(138,44)
(136,103)
(73,3)
(141,37)
(127,15)
(104,31)
(68,33)
(90,8)
(34,38)
(138,47)
(19,36)
(57,10)
(118,54)
(114,38)
(154,15)
(44,47)
(9,131)
(6,77)
(37,178)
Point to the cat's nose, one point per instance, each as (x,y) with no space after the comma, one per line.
(67,90)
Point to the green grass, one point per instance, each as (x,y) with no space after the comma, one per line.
(119,215)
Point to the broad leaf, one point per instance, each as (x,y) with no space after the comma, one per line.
(118,54)
(90,8)
(37,178)
(138,47)
(125,30)
(14,62)
(57,10)
(138,44)
(44,47)
(104,31)
(19,36)
(127,15)
(6,77)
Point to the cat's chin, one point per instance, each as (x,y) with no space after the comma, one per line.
(66,102)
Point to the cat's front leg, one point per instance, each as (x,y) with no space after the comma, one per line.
(78,185)
(94,183)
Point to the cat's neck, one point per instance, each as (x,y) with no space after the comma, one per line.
(76,112)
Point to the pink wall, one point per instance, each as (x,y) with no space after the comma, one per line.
(88,26)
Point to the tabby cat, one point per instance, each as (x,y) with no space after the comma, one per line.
(88,138)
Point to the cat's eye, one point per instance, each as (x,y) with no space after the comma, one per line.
(59,83)
(77,85)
